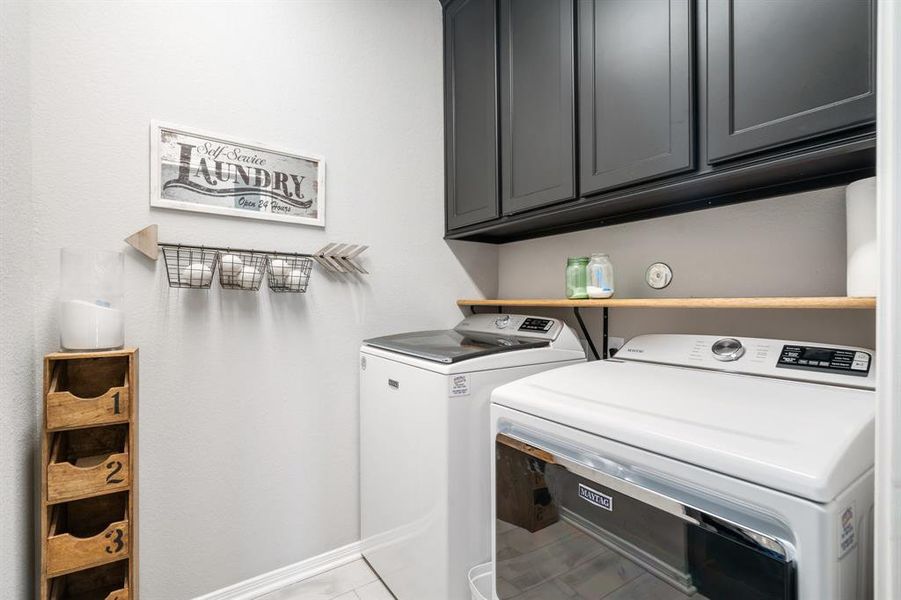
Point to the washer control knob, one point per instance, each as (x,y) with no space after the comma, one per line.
(502,322)
(727,349)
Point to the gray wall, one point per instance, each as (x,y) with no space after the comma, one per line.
(248,402)
(786,246)
(18,402)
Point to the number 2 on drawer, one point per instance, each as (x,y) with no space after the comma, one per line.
(116,466)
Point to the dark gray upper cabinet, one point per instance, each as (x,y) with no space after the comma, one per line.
(782,72)
(471,161)
(537,89)
(631,109)
(635,91)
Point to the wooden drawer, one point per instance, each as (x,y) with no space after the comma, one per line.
(88,391)
(88,462)
(87,533)
(106,582)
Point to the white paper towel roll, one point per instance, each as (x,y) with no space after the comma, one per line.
(863,254)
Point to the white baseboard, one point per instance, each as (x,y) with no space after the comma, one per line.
(285,576)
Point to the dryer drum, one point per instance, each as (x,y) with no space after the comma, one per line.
(622,536)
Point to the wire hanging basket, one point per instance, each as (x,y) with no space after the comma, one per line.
(289,273)
(190,266)
(241,269)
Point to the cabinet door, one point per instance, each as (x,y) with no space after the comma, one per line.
(782,72)
(635,91)
(537,98)
(470,71)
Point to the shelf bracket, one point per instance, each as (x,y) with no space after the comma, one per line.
(588,339)
(606,341)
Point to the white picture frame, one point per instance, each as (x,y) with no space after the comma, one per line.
(224,175)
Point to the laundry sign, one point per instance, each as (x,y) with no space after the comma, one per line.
(203,172)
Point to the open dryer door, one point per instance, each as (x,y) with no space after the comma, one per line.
(570,527)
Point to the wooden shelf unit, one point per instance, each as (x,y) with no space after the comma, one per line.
(89,476)
(774,302)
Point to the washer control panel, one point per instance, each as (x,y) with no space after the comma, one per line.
(536,324)
(511,325)
(829,360)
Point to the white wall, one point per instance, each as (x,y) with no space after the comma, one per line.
(888,362)
(248,402)
(18,403)
(786,246)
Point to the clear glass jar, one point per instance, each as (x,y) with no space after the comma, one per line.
(576,277)
(91,296)
(600,276)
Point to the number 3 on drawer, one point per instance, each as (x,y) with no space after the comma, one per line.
(117,544)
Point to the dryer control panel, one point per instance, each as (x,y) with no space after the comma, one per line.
(829,360)
(780,359)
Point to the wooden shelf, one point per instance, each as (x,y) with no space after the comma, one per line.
(812,302)
(89,476)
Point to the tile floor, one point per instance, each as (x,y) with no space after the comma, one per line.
(353,581)
(562,562)
(559,562)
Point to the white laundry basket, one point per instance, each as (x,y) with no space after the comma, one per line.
(480,579)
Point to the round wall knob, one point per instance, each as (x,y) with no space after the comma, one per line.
(502,322)
(727,349)
(658,276)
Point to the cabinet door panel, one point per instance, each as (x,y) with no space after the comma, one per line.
(471,112)
(635,91)
(537,97)
(782,72)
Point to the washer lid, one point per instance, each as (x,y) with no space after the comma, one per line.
(809,440)
(449,346)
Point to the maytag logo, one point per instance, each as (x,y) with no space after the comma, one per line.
(595,497)
(638,350)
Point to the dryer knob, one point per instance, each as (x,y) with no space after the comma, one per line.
(502,322)
(727,349)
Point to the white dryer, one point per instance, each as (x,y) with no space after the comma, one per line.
(425,452)
(688,466)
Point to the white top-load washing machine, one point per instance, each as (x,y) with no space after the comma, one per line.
(688,466)
(425,452)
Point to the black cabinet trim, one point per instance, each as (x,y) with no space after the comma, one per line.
(827,164)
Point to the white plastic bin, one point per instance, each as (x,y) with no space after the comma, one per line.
(480,582)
